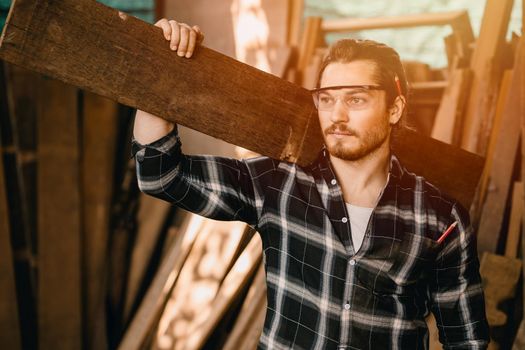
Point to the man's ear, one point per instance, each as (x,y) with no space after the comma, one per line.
(396,111)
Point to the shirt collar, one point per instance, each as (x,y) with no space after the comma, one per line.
(395,170)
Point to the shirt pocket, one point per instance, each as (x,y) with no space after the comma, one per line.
(406,268)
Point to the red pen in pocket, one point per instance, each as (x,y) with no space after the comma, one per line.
(447,232)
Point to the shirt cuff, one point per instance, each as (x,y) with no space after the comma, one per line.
(169,144)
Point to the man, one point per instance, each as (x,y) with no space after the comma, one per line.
(357,249)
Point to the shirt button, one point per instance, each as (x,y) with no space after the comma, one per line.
(352,262)
(344,220)
(347,306)
(333,182)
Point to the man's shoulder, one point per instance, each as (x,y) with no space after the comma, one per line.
(427,193)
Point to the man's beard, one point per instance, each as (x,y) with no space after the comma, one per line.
(368,142)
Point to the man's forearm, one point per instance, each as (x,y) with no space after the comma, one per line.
(149,128)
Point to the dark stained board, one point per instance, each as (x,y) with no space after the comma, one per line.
(100,49)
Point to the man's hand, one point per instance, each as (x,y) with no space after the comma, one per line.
(182,37)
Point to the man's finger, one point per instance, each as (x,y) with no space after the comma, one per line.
(200,34)
(183,43)
(191,44)
(175,35)
(166,28)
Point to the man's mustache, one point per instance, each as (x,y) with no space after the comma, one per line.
(340,128)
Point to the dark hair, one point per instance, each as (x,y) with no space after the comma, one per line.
(386,59)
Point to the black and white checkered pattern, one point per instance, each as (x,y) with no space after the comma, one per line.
(321,293)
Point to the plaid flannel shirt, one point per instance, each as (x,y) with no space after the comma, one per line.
(321,293)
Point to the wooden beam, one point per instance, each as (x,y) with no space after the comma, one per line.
(248,316)
(516,217)
(151,218)
(486,68)
(236,279)
(295,18)
(238,98)
(16,88)
(120,55)
(162,286)
(404,21)
(503,160)
(309,41)
(59,254)
(9,322)
(458,20)
(451,106)
(494,139)
(99,124)
(205,269)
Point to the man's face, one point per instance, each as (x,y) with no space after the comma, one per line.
(355,122)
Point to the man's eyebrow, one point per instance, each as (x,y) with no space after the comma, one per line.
(354,88)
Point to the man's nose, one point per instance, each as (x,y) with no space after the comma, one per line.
(339,113)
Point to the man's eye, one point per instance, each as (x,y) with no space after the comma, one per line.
(355,100)
(325,99)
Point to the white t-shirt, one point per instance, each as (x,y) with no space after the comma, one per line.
(359,217)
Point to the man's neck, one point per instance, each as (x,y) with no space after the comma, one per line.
(363,180)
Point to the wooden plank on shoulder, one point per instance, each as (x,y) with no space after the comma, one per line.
(231,107)
(134,53)
(59,219)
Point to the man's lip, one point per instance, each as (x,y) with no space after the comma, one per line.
(340,133)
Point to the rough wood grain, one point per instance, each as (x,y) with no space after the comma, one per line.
(128,60)
(59,219)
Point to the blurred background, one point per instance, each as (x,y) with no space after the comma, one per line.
(88,262)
